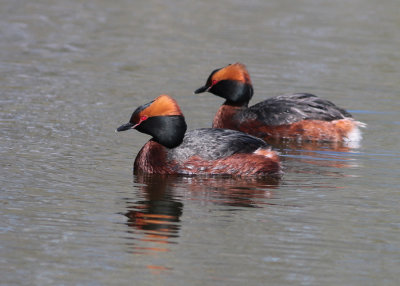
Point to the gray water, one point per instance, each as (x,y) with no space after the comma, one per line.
(72,213)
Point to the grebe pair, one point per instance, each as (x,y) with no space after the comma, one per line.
(228,148)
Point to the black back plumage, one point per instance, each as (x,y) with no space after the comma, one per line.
(288,109)
(215,143)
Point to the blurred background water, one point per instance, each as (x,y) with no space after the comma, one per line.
(72,213)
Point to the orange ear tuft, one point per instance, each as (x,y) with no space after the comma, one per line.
(163,105)
(235,71)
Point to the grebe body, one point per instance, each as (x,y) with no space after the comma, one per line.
(205,151)
(300,116)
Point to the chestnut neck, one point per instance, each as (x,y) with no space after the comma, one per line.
(151,159)
(225,116)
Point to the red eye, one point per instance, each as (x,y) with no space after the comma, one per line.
(213,82)
(141,119)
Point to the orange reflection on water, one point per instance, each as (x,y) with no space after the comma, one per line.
(156,218)
(157,269)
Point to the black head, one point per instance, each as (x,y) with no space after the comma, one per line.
(232,83)
(162,119)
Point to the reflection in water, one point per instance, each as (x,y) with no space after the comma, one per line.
(232,191)
(154,222)
(314,145)
(320,154)
(158,215)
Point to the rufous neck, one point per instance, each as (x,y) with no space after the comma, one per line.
(225,116)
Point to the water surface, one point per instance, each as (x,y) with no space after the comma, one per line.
(73,213)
